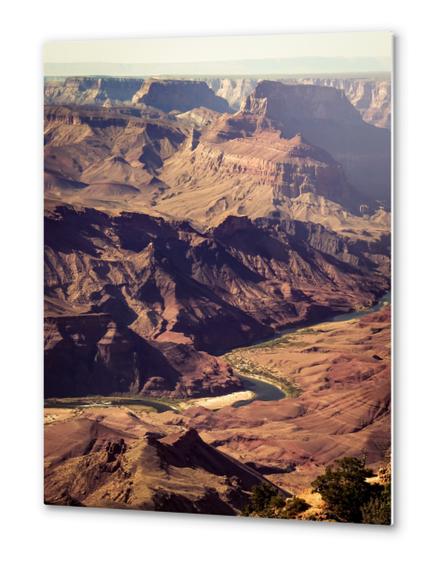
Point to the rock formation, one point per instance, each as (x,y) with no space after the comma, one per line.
(268,159)
(121,461)
(94,154)
(115,284)
(91,354)
(370,96)
(342,371)
(234,170)
(87,90)
(176,234)
(326,118)
(180,95)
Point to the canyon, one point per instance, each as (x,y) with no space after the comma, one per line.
(200,234)
(120,289)
(371,96)
(207,461)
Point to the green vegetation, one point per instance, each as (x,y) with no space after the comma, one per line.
(250,369)
(294,507)
(113,400)
(283,341)
(266,501)
(348,495)
(377,511)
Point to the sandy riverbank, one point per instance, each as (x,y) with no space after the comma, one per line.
(217,402)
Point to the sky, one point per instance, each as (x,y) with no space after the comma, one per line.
(338,51)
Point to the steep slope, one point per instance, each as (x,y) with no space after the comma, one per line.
(244,164)
(99,155)
(342,371)
(91,354)
(234,171)
(182,291)
(180,95)
(88,90)
(327,119)
(119,460)
(370,96)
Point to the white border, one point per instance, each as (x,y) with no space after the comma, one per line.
(31,530)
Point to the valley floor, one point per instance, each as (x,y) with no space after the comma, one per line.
(341,407)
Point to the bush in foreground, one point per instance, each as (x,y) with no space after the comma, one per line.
(266,501)
(348,495)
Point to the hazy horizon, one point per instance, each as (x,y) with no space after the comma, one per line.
(242,55)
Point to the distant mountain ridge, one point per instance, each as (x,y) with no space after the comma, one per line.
(370,96)
(293,65)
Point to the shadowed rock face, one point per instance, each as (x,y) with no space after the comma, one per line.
(204,166)
(371,97)
(292,151)
(131,298)
(180,95)
(240,168)
(175,233)
(327,119)
(92,354)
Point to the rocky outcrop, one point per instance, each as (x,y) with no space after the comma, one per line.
(269,159)
(119,150)
(91,353)
(136,304)
(87,90)
(253,175)
(327,119)
(179,95)
(133,464)
(371,97)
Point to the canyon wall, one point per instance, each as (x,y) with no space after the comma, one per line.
(371,97)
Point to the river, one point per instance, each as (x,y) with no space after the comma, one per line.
(263,390)
(268,391)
